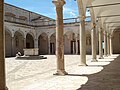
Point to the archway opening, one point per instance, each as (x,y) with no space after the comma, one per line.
(29,41)
(69,43)
(18,42)
(43,44)
(8,44)
(53,43)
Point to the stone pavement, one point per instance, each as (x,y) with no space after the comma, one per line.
(38,74)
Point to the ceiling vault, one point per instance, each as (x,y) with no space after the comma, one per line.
(104,5)
(109,16)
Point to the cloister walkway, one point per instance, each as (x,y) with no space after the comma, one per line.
(38,74)
(107,79)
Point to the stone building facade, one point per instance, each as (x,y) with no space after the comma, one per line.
(26,29)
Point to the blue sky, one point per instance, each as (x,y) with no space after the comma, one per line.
(46,7)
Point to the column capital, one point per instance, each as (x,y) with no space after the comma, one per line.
(108,34)
(82,18)
(105,32)
(36,39)
(58,3)
(49,36)
(76,35)
(93,25)
(111,36)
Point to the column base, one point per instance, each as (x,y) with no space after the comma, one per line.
(105,55)
(6,88)
(61,72)
(94,60)
(101,58)
(83,64)
(111,54)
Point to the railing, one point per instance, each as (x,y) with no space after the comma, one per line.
(43,23)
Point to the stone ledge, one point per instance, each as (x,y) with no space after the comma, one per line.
(35,57)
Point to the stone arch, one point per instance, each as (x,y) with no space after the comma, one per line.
(32,34)
(69,42)
(19,31)
(66,30)
(29,40)
(18,42)
(43,43)
(8,31)
(8,43)
(53,43)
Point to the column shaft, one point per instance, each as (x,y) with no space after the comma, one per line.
(59,38)
(94,44)
(36,43)
(49,45)
(111,49)
(73,47)
(100,45)
(24,42)
(76,43)
(2,48)
(105,43)
(82,42)
(108,45)
(13,46)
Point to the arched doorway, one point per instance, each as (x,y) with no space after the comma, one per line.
(43,43)
(69,43)
(18,42)
(29,41)
(8,43)
(53,43)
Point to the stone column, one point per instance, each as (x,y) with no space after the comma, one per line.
(111,49)
(76,43)
(73,47)
(13,46)
(49,45)
(108,44)
(82,42)
(93,32)
(100,45)
(36,43)
(82,33)
(59,37)
(24,42)
(2,48)
(105,43)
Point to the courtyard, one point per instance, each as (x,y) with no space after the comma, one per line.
(38,74)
